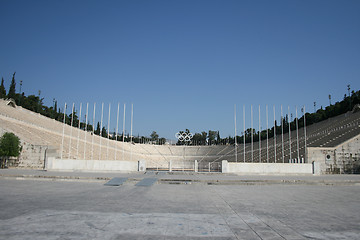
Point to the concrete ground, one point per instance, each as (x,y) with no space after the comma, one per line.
(183,177)
(201,206)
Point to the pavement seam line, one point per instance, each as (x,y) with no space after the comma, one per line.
(254,216)
(215,193)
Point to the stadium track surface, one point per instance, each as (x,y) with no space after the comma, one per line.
(77,205)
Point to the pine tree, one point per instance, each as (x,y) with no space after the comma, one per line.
(97,131)
(103,132)
(2,89)
(55,110)
(218,139)
(12,88)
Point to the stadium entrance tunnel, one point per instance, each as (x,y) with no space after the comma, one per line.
(209,167)
(188,166)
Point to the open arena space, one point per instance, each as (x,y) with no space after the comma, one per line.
(56,205)
(181,119)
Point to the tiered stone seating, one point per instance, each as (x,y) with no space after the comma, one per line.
(78,144)
(328,133)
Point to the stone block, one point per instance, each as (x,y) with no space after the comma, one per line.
(142,165)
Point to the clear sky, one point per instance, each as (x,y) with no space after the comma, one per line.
(183,64)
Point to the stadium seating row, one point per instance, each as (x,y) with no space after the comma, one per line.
(75,143)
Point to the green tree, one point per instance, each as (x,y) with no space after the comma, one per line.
(204,137)
(197,139)
(75,119)
(154,136)
(54,113)
(97,131)
(162,141)
(212,136)
(2,89)
(218,138)
(12,93)
(9,147)
(32,103)
(104,132)
(89,127)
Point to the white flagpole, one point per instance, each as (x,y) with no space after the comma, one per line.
(289,121)
(274,135)
(85,132)
(252,135)
(282,135)
(244,130)
(235,133)
(108,133)
(101,122)
(267,134)
(123,133)
(297,134)
(131,130)
(131,126)
(117,130)
(259,135)
(93,131)
(63,134)
(71,128)
(305,133)
(78,138)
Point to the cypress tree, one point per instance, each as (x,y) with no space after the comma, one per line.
(97,131)
(55,110)
(2,89)
(12,93)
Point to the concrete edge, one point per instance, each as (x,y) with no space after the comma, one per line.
(187,181)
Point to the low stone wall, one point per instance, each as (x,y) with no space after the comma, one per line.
(343,159)
(90,165)
(33,156)
(267,168)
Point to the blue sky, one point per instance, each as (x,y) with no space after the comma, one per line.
(183,64)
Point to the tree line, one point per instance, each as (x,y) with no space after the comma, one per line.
(35,103)
(213,137)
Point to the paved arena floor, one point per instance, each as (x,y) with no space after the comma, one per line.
(47,209)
